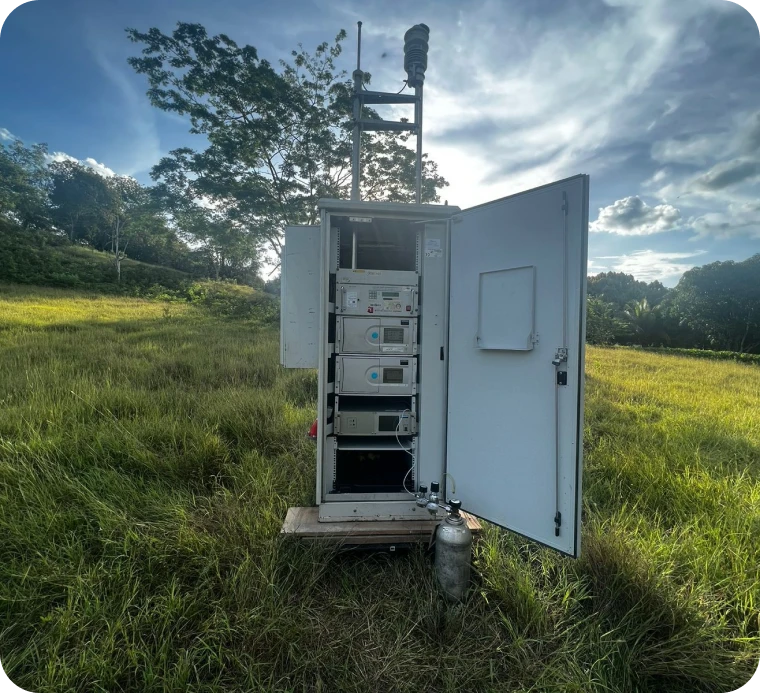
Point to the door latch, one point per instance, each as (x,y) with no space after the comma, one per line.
(561,377)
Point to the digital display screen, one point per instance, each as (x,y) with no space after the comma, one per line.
(393,376)
(387,423)
(391,294)
(393,335)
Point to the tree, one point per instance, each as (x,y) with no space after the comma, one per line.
(620,289)
(129,201)
(153,240)
(227,249)
(80,198)
(272,286)
(646,324)
(601,325)
(230,251)
(721,302)
(277,141)
(24,184)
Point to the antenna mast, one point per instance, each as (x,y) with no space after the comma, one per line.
(415,64)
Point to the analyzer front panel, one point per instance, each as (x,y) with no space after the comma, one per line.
(377,335)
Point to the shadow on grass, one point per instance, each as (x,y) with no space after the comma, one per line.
(660,634)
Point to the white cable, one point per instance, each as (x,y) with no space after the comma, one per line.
(409,471)
(403,483)
(398,425)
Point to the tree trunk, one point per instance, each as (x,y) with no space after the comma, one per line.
(117,256)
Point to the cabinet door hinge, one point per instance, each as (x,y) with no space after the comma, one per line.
(557,523)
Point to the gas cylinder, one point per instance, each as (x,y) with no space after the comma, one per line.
(453,551)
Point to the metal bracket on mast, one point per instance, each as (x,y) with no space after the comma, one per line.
(415,64)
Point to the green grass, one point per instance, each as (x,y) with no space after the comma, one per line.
(149,451)
(705,354)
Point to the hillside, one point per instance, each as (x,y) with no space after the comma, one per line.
(148,453)
(44,259)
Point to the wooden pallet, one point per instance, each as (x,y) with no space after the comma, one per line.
(303,523)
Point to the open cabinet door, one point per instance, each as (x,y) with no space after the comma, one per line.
(299,297)
(517,309)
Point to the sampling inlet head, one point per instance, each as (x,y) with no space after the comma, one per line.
(415,54)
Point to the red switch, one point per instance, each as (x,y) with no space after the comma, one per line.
(408,309)
(370,309)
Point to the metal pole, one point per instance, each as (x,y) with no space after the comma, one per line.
(359,47)
(418,122)
(355,156)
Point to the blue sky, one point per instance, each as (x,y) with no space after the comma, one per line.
(658,100)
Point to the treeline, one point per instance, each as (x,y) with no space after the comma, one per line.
(118,215)
(716,306)
(278,139)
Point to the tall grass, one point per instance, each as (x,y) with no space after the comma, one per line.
(148,453)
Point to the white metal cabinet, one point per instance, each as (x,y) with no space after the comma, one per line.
(299,297)
(497,376)
(514,436)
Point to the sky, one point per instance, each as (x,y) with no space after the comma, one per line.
(657,100)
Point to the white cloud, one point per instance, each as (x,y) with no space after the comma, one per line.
(658,177)
(555,97)
(699,149)
(648,265)
(728,173)
(631,216)
(58,157)
(96,166)
(738,220)
(730,161)
(6,135)
(739,139)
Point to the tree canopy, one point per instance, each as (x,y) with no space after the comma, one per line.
(278,138)
(620,289)
(721,301)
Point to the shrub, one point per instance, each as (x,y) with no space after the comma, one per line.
(703,354)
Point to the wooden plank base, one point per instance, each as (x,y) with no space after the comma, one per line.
(303,523)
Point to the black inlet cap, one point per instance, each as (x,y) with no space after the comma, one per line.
(456,506)
(423,488)
(435,487)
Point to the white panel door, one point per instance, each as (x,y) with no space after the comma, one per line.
(515,389)
(299,297)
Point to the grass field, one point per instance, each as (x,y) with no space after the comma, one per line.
(148,453)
